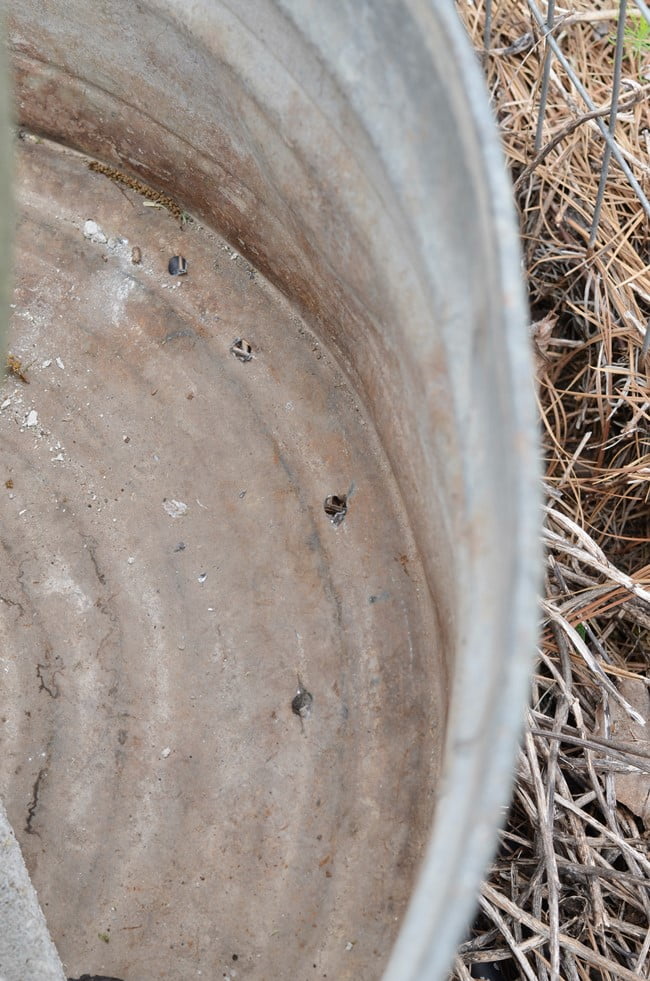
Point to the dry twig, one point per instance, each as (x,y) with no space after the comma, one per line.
(568,895)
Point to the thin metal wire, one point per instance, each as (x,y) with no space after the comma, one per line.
(548,25)
(643,7)
(607,156)
(579,87)
(546,74)
(645,347)
(572,125)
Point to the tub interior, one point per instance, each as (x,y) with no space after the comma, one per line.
(171,579)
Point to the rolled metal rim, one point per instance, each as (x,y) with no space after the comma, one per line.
(480,771)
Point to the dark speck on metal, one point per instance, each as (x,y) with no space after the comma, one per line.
(94,977)
(302,701)
(336,508)
(177,266)
(242,350)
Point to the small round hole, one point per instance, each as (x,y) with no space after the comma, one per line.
(242,350)
(302,702)
(336,507)
(177,266)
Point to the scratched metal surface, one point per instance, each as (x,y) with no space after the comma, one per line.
(172,809)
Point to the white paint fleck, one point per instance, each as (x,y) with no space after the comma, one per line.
(166,752)
(32,418)
(175,509)
(60,364)
(58,459)
(93,232)
(5,404)
(46,364)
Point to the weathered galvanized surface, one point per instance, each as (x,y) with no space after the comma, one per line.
(26,949)
(168,572)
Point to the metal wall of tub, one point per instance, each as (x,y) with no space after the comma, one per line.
(348,154)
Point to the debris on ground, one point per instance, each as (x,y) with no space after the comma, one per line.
(567,896)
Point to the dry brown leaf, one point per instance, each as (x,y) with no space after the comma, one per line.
(632,789)
(541,332)
(570,884)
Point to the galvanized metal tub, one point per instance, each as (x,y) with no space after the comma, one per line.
(178,819)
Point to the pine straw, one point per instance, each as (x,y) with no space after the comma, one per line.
(569,893)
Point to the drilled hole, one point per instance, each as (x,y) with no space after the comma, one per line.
(302,701)
(336,507)
(177,265)
(242,350)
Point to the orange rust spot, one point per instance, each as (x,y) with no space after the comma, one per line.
(14,367)
(404,561)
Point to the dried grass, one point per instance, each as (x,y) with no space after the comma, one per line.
(569,893)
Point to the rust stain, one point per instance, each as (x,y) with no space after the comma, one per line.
(147,192)
(14,367)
